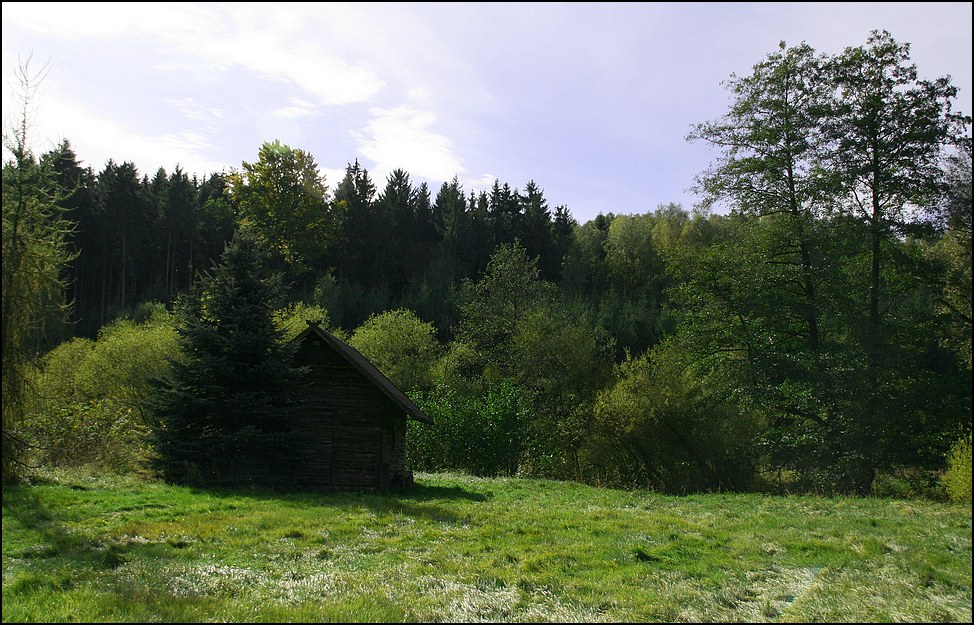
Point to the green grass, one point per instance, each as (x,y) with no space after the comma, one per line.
(87,548)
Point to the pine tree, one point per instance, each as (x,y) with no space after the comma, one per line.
(225,413)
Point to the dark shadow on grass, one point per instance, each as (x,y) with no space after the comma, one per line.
(417,492)
(23,504)
(420,500)
(59,542)
(425,492)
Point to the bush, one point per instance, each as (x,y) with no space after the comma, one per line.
(401,346)
(293,319)
(88,408)
(909,482)
(58,381)
(481,435)
(98,433)
(957,478)
(659,428)
(126,356)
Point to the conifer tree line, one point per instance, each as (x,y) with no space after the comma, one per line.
(144,238)
(816,334)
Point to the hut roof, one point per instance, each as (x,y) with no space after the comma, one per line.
(366,368)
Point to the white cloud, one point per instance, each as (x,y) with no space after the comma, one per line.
(269,40)
(95,140)
(194,110)
(584,97)
(483,183)
(403,138)
(420,96)
(98,20)
(298,109)
(331,80)
(332,177)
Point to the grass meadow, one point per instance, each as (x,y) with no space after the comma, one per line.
(82,547)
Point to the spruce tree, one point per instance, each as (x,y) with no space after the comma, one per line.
(224,416)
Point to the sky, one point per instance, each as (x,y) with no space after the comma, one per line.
(591,100)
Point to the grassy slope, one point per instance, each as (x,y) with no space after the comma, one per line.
(467,549)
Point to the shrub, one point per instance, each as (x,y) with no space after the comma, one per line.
(58,381)
(401,346)
(667,431)
(99,433)
(88,408)
(126,356)
(909,482)
(292,319)
(957,478)
(477,434)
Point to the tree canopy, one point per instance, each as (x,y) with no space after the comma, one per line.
(807,326)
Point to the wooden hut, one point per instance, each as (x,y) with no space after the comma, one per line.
(353,419)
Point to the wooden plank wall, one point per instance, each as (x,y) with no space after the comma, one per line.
(356,435)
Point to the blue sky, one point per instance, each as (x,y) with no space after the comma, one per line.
(592,101)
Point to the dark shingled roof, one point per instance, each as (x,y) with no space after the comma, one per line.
(366,368)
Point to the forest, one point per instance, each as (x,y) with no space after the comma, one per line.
(806,328)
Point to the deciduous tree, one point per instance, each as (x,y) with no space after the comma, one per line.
(282,198)
(35,254)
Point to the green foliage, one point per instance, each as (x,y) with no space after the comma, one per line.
(283,201)
(820,332)
(460,368)
(630,252)
(222,416)
(614,267)
(349,304)
(555,351)
(57,379)
(662,426)
(493,306)
(539,404)
(584,272)
(89,406)
(817,314)
(904,482)
(401,346)
(149,312)
(769,137)
(480,435)
(35,254)
(116,366)
(560,361)
(124,358)
(512,332)
(887,132)
(954,251)
(99,433)
(293,319)
(957,478)
(636,321)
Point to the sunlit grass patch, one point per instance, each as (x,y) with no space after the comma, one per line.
(462,549)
